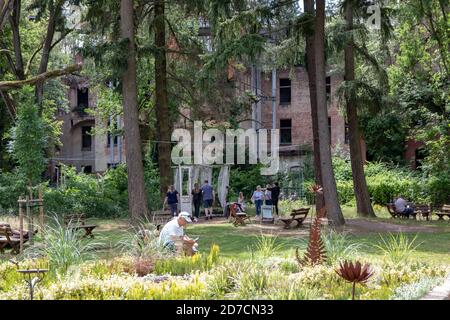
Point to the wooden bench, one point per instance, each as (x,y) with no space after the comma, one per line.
(298,215)
(78,222)
(160,218)
(443,211)
(423,210)
(9,240)
(392,211)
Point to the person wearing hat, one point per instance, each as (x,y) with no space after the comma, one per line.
(173,231)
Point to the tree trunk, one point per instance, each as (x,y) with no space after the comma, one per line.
(363,203)
(334,212)
(320,201)
(54,16)
(137,197)
(162,108)
(14,20)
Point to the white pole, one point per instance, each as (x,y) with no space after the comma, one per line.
(119,140)
(255,92)
(274,98)
(111,136)
(111,141)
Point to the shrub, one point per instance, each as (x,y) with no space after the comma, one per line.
(252,283)
(223,280)
(291,289)
(286,206)
(397,248)
(63,247)
(142,242)
(266,246)
(394,275)
(185,265)
(385,182)
(82,193)
(114,288)
(12,185)
(339,248)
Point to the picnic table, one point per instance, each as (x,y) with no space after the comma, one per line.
(78,222)
(298,215)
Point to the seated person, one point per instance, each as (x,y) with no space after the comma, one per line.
(402,207)
(173,232)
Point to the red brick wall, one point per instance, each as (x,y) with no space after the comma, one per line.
(300,110)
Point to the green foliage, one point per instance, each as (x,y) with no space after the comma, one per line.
(223,279)
(29,140)
(151,174)
(339,248)
(385,135)
(186,265)
(286,206)
(385,182)
(266,246)
(63,247)
(142,241)
(398,248)
(245,179)
(82,193)
(252,283)
(12,186)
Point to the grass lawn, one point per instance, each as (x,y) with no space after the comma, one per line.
(240,242)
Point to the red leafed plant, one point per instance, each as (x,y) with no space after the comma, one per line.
(354,273)
(315,253)
(143,267)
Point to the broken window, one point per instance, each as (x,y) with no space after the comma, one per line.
(285,131)
(285,91)
(86,138)
(82,99)
(328,87)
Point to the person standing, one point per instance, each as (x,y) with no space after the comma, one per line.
(172,199)
(275,192)
(268,196)
(258,198)
(208,199)
(197,201)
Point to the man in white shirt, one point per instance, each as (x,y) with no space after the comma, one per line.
(173,231)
